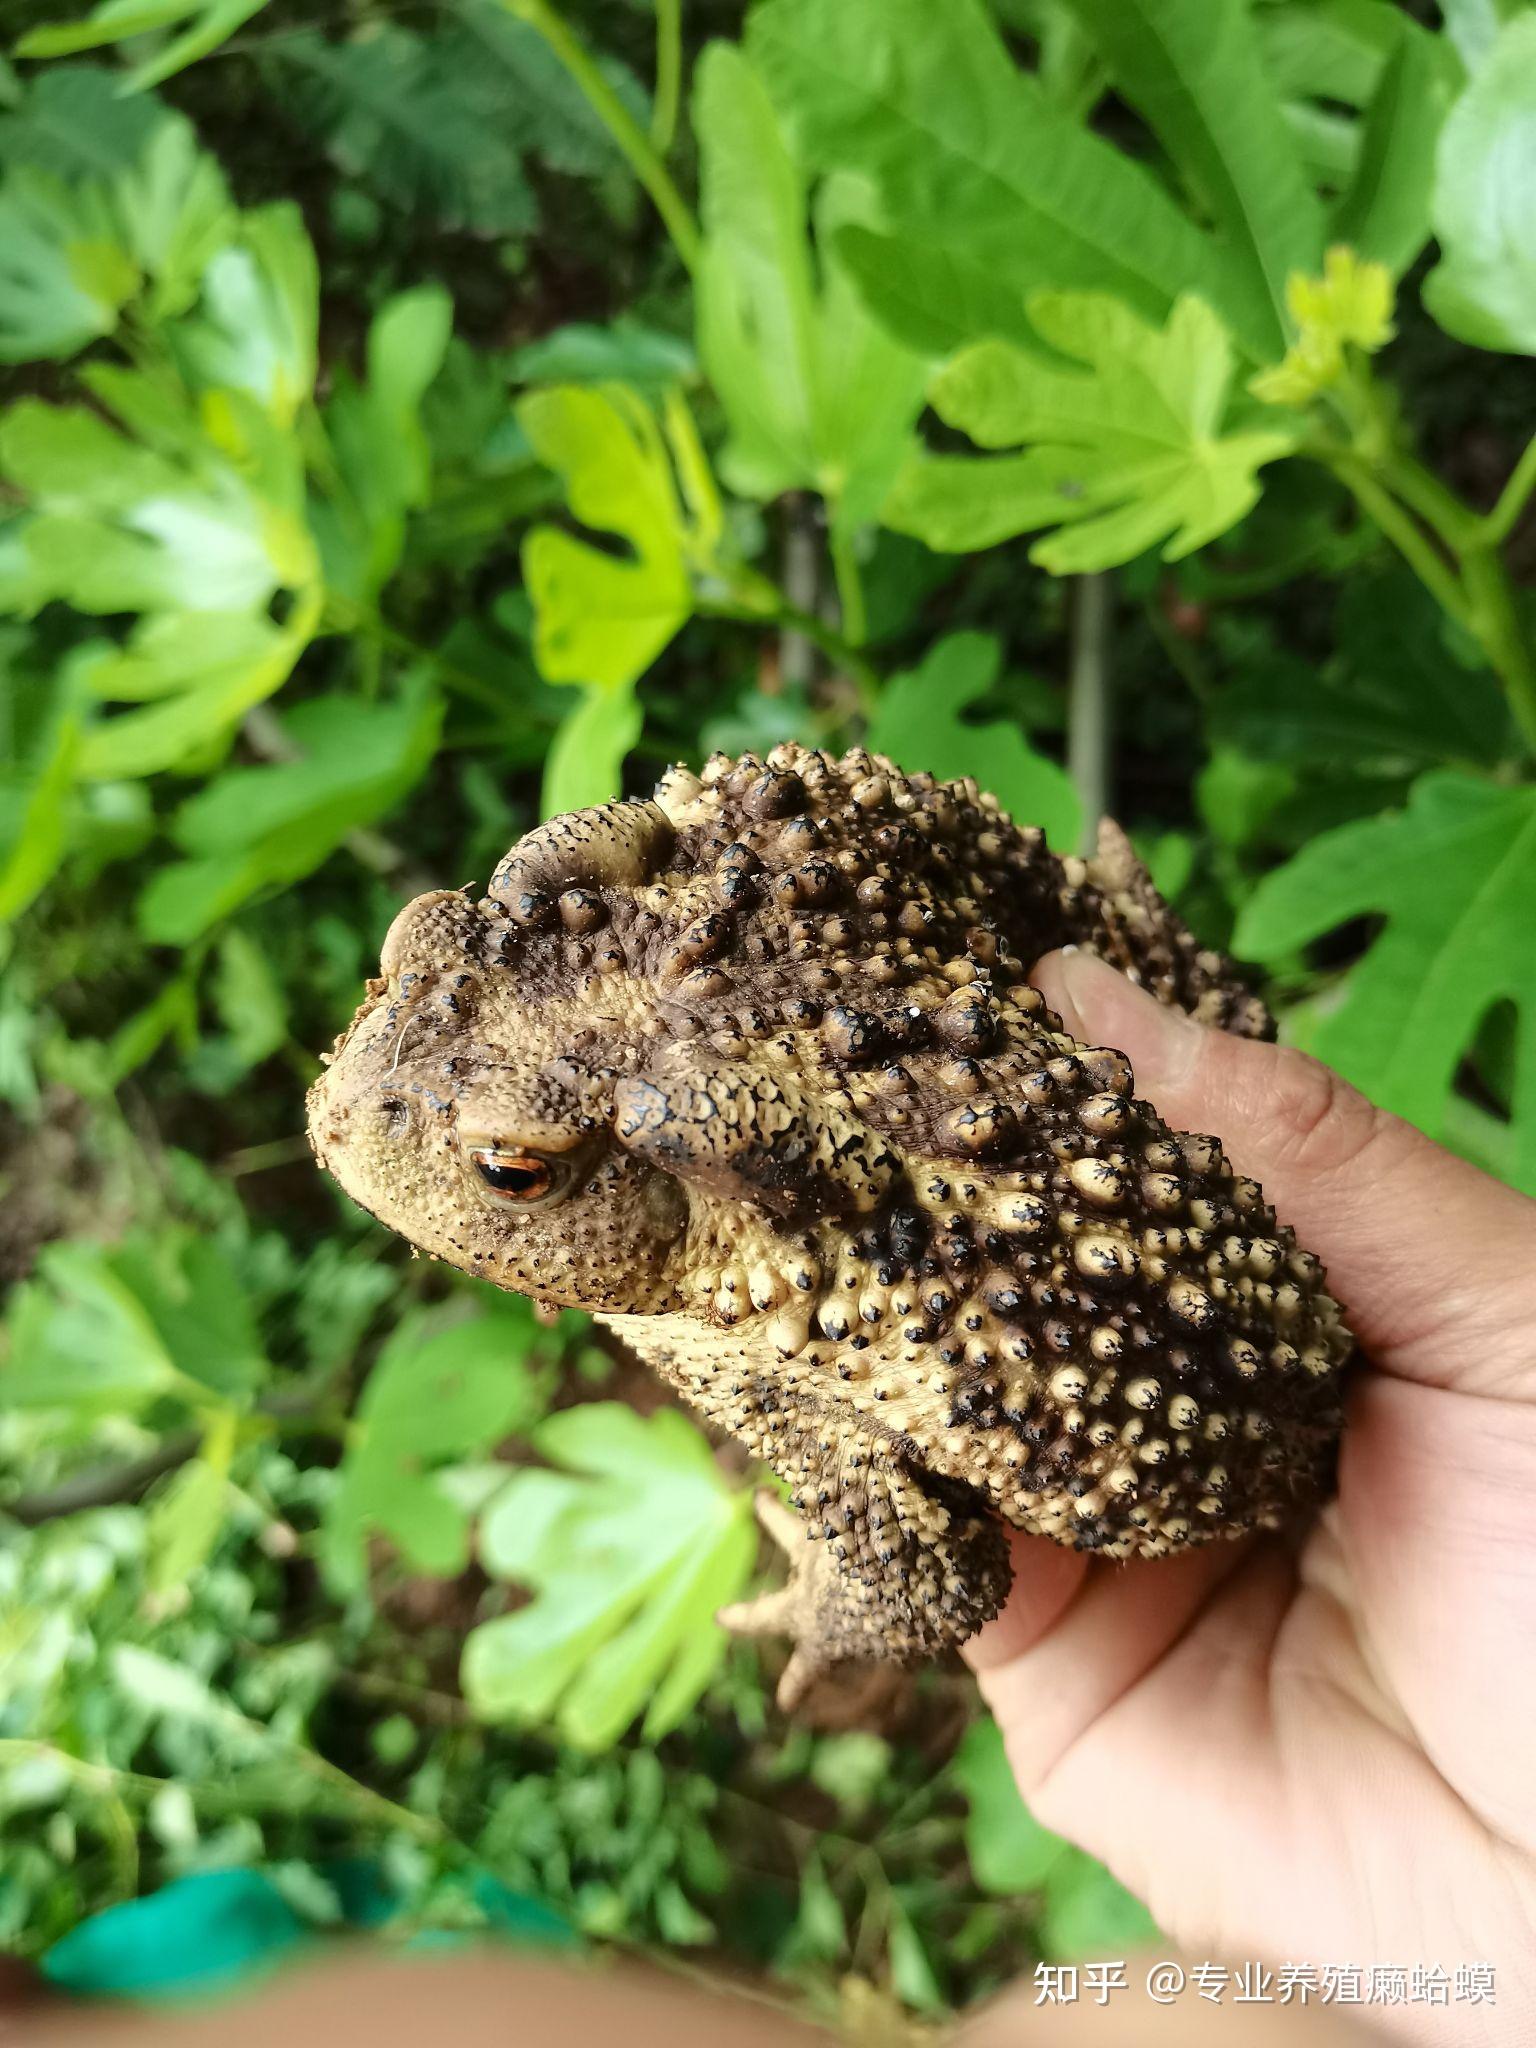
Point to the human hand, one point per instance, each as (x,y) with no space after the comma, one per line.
(1324,1752)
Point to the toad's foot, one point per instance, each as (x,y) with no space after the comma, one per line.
(910,1577)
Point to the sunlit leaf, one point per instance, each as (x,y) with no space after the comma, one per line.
(1125,454)
(585,761)
(1483,290)
(1454,877)
(920,723)
(1473,26)
(120,525)
(629,1548)
(255,327)
(602,618)
(64,275)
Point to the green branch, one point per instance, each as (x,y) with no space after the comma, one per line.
(850,586)
(1453,552)
(1090,703)
(1500,522)
(669,73)
(1496,626)
(1406,535)
(771,608)
(109,1781)
(630,139)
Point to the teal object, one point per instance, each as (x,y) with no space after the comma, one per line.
(519,1918)
(197,1934)
(220,1928)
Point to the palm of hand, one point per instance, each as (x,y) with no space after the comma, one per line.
(1321,1754)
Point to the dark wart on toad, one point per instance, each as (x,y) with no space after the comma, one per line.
(754,1073)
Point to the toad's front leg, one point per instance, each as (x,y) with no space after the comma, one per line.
(886,1565)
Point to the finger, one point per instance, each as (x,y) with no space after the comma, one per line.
(1434,1262)
(1046,1579)
(1049,1684)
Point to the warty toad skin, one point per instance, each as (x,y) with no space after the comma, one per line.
(753,1072)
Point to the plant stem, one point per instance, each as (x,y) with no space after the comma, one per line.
(1496,626)
(669,71)
(1088,714)
(1440,509)
(109,1780)
(801,569)
(1500,522)
(850,587)
(1410,540)
(790,618)
(630,139)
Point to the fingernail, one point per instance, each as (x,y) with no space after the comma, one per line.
(1161,1043)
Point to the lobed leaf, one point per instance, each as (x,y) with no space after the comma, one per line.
(816,394)
(600,618)
(919,723)
(1194,69)
(1126,454)
(64,276)
(629,1548)
(987,188)
(252,829)
(437,1393)
(1454,877)
(1483,290)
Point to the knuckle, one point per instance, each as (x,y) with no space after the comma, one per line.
(1322,1124)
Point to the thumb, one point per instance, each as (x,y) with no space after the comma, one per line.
(1431,1259)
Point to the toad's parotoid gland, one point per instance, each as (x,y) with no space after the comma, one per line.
(753,1072)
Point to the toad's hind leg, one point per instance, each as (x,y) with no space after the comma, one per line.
(892,1567)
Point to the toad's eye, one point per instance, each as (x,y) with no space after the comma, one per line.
(518,1176)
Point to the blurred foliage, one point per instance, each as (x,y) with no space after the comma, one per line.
(418,423)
